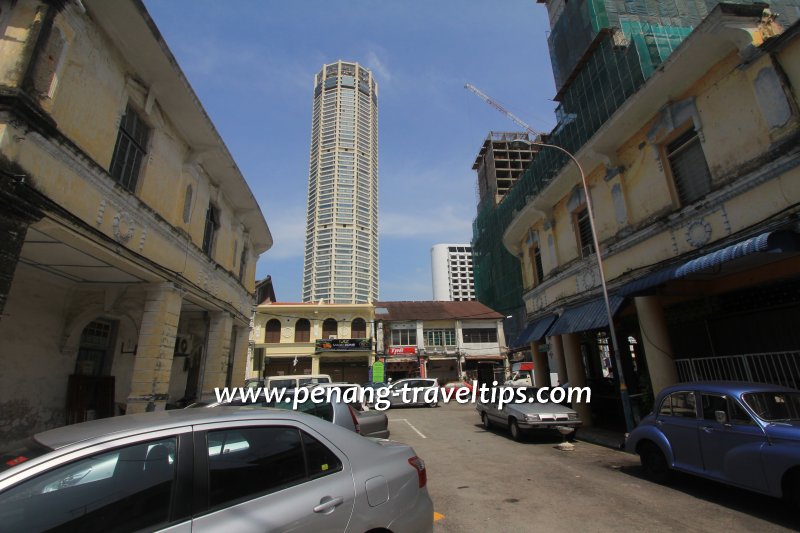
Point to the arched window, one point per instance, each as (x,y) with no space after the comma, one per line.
(329,328)
(302,331)
(358,329)
(273,331)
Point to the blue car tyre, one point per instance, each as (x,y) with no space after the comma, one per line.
(654,463)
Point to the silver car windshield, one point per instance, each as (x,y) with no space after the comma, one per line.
(774,406)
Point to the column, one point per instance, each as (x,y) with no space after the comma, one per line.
(240,359)
(156,345)
(541,374)
(576,373)
(655,339)
(315,363)
(558,357)
(219,346)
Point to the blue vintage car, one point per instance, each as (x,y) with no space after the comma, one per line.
(742,434)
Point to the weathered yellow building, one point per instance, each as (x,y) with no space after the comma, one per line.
(313,338)
(130,237)
(695,186)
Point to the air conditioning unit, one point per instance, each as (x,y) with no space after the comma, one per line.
(183,344)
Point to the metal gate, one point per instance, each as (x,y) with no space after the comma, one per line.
(779,368)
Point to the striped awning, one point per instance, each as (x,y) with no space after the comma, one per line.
(534,332)
(586,317)
(771,242)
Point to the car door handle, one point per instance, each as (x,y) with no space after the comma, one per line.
(707,429)
(328,504)
(659,423)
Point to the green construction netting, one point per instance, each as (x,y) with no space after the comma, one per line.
(610,73)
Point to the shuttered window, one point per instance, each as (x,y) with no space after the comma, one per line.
(689,168)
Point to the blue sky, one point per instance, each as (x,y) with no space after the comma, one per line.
(252,64)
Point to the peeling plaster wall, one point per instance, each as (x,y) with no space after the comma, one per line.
(33,383)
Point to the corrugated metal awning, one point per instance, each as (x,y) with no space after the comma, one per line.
(586,317)
(484,358)
(534,332)
(783,241)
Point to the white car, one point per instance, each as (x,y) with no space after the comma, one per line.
(412,389)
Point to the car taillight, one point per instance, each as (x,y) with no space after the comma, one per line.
(355,419)
(419,465)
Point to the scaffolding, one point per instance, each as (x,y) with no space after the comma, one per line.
(602,53)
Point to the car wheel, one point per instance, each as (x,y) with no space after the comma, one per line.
(513,428)
(654,463)
(792,490)
(571,437)
(487,424)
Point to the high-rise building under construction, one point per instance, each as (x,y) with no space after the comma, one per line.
(341,252)
(602,51)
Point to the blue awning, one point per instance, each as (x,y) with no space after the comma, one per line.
(770,242)
(534,332)
(777,241)
(586,317)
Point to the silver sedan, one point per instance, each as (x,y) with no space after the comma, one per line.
(233,469)
(520,418)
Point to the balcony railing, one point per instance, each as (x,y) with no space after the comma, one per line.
(779,368)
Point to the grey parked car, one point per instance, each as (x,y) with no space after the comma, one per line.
(234,469)
(370,423)
(524,417)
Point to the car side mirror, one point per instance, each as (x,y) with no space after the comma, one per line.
(721,416)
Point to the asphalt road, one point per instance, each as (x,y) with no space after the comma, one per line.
(483,481)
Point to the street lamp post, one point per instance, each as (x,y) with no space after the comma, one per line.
(623,388)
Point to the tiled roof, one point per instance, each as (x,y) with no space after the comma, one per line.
(434,310)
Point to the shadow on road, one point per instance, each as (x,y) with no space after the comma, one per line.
(778,511)
(531,437)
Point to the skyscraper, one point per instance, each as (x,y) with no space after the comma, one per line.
(341,253)
(451,269)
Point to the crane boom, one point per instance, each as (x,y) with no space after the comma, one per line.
(502,109)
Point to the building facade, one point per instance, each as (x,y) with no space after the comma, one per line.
(341,253)
(129,236)
(696,210)
(446,340)
(451,271)
(313,338)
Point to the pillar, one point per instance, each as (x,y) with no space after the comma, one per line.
(576,373)
(315,360)
(655,339)
(215,370)
(541,375)
(240,356)
(152,366)
(557,350)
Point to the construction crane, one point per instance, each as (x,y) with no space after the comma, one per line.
(503,110)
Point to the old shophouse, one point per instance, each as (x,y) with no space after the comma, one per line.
(314,338)
(129,235)
(445,340)
(695,185)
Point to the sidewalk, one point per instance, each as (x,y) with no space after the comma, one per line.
(602,437)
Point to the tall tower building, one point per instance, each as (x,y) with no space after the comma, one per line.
(451,271)
(341,253)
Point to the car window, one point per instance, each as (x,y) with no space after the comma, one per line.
(274,458)
(738,415)
(773,406)
(680,404)
(126,489)
(713,403)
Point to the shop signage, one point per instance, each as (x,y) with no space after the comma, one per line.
(377,372)
(402,350)
(343,345)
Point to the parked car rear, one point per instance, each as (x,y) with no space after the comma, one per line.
(262,470)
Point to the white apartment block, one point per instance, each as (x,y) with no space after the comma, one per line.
(341,253)
(451,268)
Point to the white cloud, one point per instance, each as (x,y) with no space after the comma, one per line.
(376,65)
(288,233)
(446,222)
